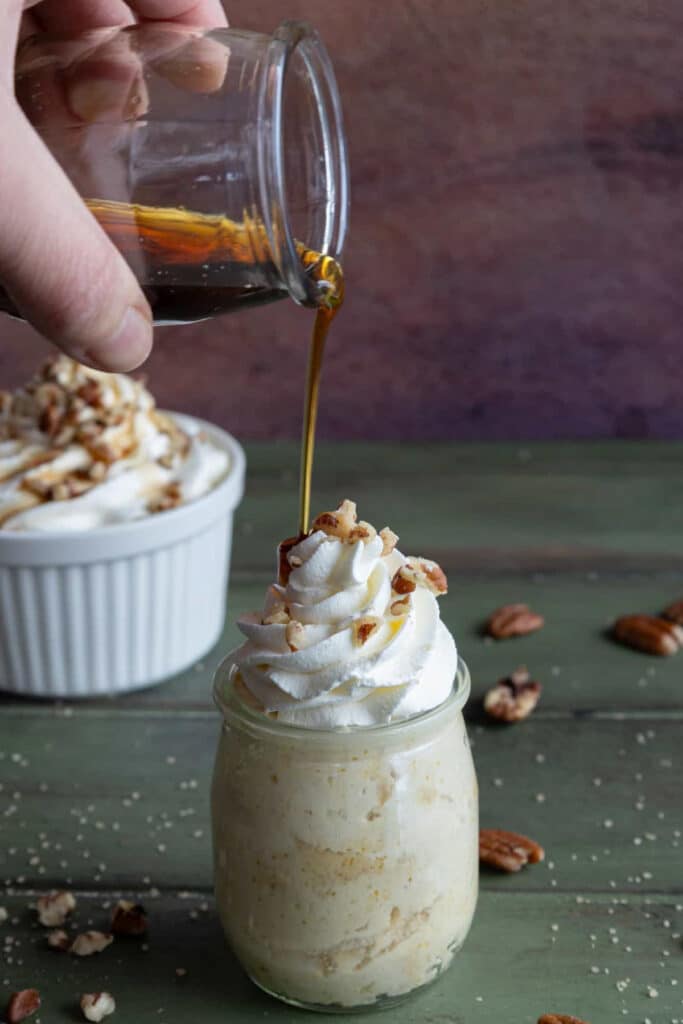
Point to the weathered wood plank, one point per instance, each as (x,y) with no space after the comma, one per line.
(122,800)
(612,505)
(598,957)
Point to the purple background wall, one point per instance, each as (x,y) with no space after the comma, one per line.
(515,265)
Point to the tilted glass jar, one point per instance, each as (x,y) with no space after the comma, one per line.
(215,161)
(346,861)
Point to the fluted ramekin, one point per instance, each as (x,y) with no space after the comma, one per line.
(104,611)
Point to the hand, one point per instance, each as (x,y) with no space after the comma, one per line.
(58,266)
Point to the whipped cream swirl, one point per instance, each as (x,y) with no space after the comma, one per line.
(81,449)
(352,638)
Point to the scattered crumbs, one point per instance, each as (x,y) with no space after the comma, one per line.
(181,972)
(498,782)
(608,823)
(540,798)
(170,759)
(652,992)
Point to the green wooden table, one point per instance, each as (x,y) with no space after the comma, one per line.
(110,797)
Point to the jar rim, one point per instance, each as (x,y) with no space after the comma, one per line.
(288,38)
(231,707)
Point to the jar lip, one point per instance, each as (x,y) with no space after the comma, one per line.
(231,707)
(289,37)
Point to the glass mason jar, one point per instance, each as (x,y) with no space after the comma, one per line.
(215,161)
(346,862)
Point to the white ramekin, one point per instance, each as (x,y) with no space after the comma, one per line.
(99,612)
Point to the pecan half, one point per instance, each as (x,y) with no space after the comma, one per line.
(513,620)
(560,1018)
(513,698)
(128,918)
(284,565)
(649,633)
(22,1005)
(508,851)
(674,613)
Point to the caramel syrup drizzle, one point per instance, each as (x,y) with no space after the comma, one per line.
(175,236)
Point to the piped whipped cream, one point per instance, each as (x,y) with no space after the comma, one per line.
(81,449)
(351,634)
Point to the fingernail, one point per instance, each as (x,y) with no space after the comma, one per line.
(127,347)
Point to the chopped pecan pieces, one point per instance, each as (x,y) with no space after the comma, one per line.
(674,613)
(649,634)
(284,564)
(129,918)
(363,531)
(97,1005)
(401,606)
(507,851)
(403,581)
(339,523)
(363,629)
(54,908)
(513,620)
(22,1005)
(389,541)
(278,615)
(50,420)
(559,1018)
(419,572)
(513,698)
(294,635)
(91,942)
(90,392)
(58,939)
(170,497)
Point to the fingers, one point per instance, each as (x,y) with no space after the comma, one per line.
(57,264)
(70,17)
(202,13)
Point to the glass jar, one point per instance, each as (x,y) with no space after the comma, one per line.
(215,161)
(346,862)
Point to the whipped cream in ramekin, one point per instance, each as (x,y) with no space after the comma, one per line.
(351,634)
(80,449)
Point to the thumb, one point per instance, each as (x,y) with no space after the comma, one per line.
(57,264)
